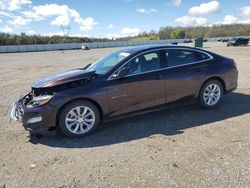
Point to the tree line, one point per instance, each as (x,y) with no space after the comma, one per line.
(23,39)
(196,32)
(205,32)
(164,33)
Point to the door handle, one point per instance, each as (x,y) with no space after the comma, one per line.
(158,77)
(201,69)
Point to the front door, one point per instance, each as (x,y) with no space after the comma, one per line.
(142,88)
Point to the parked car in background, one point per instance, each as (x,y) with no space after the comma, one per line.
(188,41)
(238,42)
(126,82)
(225,40)
(222,40)
(85,47)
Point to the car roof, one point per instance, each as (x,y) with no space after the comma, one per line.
(137,49)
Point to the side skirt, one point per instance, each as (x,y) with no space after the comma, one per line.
(182,102)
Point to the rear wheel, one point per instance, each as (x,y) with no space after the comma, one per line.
(211,94)
(79,118)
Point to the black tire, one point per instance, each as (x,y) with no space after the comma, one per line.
(202,101)
(71,106)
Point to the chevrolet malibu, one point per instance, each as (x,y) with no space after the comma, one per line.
(126,82)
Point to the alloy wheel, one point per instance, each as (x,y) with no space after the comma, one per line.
(80,120)
(212,94)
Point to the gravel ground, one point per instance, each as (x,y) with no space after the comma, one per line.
(182,147)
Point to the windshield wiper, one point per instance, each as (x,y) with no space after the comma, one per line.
(87,66)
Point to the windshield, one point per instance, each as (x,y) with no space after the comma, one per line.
(107,63)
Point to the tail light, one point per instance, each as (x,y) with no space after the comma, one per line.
(234,64)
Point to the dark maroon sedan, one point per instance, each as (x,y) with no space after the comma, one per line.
(124,83)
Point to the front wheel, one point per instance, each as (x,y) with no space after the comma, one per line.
(211,94)
(79,118)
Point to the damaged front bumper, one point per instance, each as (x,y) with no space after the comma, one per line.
(36,120)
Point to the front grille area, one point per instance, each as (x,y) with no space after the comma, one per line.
(17,111)
(20,112)
(27,98)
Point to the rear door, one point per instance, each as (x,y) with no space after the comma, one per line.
(186,71)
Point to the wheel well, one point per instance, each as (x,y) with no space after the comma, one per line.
(80,99)
(218,79)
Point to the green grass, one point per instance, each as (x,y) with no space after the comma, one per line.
(153,37)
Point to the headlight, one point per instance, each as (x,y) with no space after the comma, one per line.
(38,101)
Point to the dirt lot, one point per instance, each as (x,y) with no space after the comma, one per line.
(183,147)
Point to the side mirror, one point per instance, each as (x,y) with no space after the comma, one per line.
(124,71)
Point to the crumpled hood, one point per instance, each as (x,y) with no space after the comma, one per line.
(62,78)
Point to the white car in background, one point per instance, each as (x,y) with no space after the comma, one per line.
(85,47)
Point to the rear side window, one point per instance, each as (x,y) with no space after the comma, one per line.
(177,57)
(199,56)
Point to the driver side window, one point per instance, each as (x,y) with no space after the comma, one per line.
(144,63)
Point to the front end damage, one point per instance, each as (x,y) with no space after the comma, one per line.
(35,110)
(34,117)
